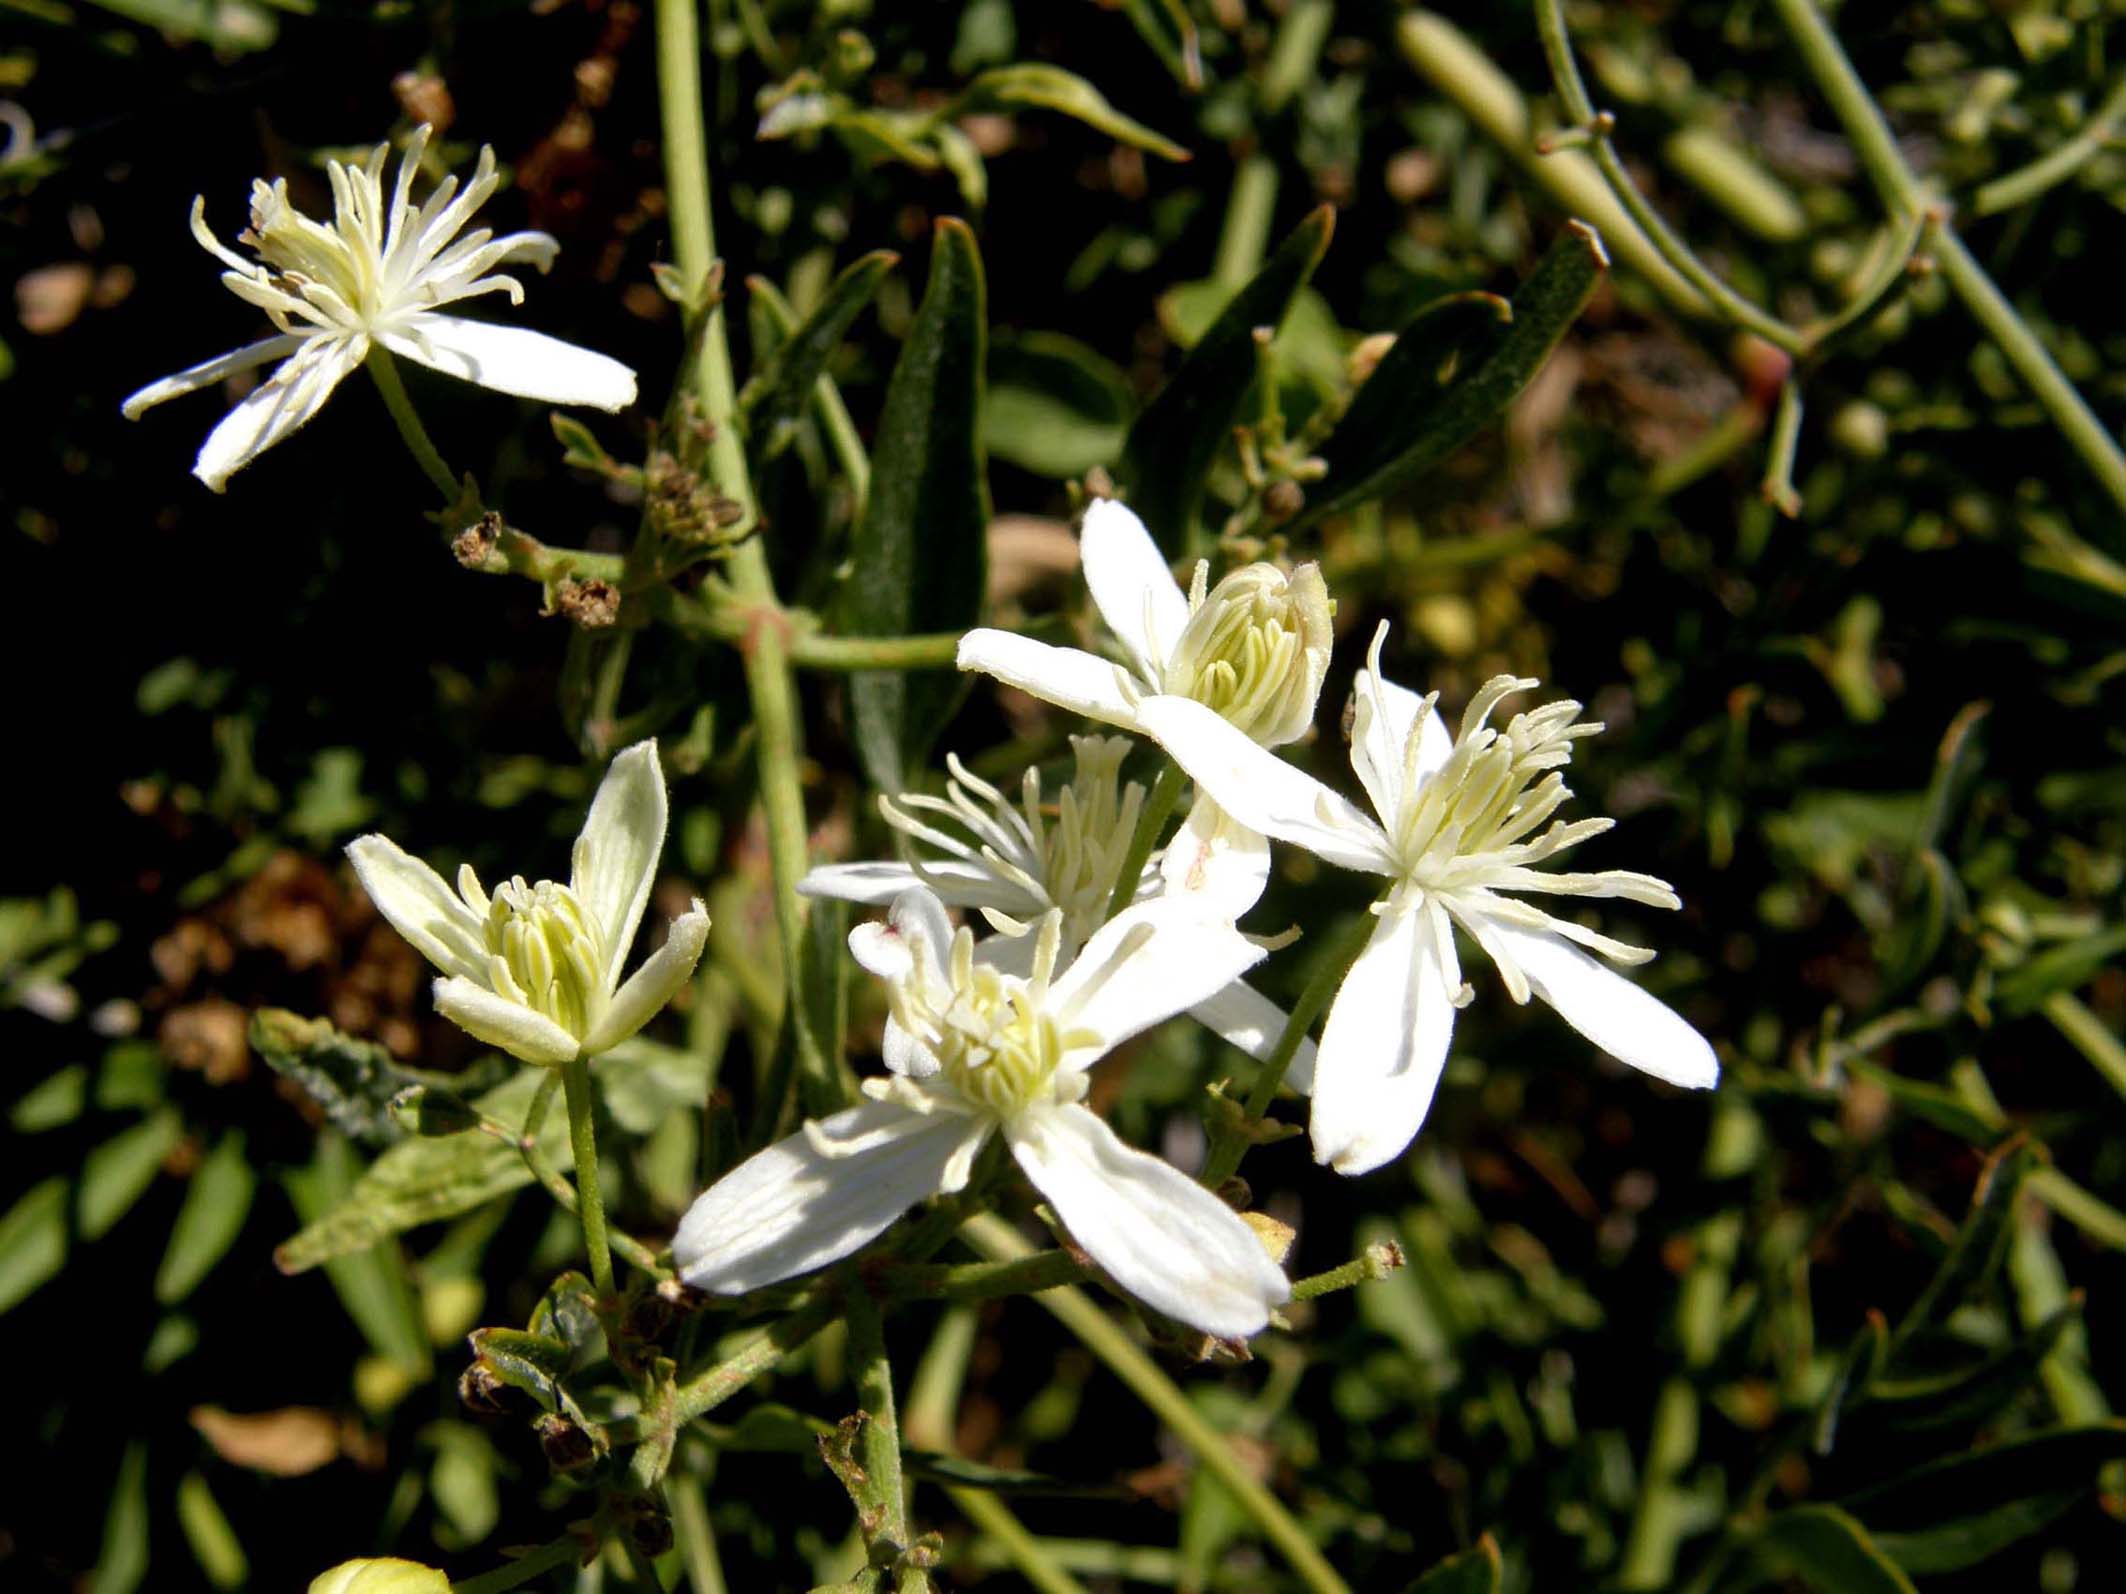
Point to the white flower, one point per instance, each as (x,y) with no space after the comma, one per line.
(377,273)
(997,1053)
(1016,864)
(1458,833)
(1254,648)
(535,969)
(380,1576)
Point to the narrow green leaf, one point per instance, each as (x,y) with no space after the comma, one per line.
(215,1546)
(1827,1550)
(123,1560)
(777,395)
(1477,1570)
(1171,446)
(353,1080)
(1052,88)
(32,1240)
(53,1103)
(1976,1253)
(216,1203)
(919,558)
(2066,967)
(1969,1396)
(118,1172)
(1055,407)
(1856,1369)
(1957,1511)
(369,1277)
(1464,364)
(1938,1105)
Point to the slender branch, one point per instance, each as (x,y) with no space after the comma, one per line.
(804,646)
(590,1206)
(1232,1141)
(705,1392)
(1028,1556)
(1778,487)
(881,1495)
(981,1281)
(2055,165)
(1376,1262)
(1106,1340)
(524,1568)
(385,374)
(1157,808)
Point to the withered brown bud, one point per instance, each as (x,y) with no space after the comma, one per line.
(1283,500)
(472,545)
(566,1444)
(590,605)
(479,1390)
(651,1530)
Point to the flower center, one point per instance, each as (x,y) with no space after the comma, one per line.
(544,951)
(997,1046)
(335,268)
(1255,648)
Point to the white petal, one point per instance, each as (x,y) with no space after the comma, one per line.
(1146,964)
(1261,790)
(790,1209)
(643,997)
(1216,861)
(1067,677)
(1384,715)
(277,406)
(873,884)
(1383,1047)
(1159,1234)
(905,1055)
(528,1036)
(960,885)
(514,360)
(208,372)
(1618,1016)
(616,855)
(916,928)
(1132,584)
(1244,1017)
(417,903)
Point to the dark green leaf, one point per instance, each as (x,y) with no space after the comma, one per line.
(1969,1396)
(118,1172)
(369,1276)
(1171,446)
(1475,1571)
(32,1240)
(1856,1369)
(919,557)
(1957,1511)
(1054,406)
(1827,1550)
(1980,1243)
(1464,363)
(215,1546)
(2065,967)
(1052,88)
(123,1560)
(568,1312)
(53,1103)
(217,1201)
(1938,1105)
(778,393)
(353,1080)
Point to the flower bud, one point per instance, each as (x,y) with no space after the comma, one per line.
(385,1575)
(1255,649)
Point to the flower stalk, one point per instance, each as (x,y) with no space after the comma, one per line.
(385,373)
(590,1204)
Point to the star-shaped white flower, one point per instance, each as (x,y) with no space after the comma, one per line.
(1016,864)
(1458,832)
(377,273)
(996,1053)
(535,969)
(1254,648)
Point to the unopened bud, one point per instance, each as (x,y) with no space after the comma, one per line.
(1365,358)
(567,1446)
(384,1575)
(1255,649)
(1283,500)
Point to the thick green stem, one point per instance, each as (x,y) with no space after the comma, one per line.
(1107,1340)
(882,1495)
(1157,809)
(386,376)
(1231,1143)
(765,647)
(590,1205)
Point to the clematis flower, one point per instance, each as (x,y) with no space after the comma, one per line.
(1015,864)
(378,273)
(535,969)
(1253,649)
(380,1575)
(993,1053)
(1457,828)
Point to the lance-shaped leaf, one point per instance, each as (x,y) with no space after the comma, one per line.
(1824,1548)
(1477,1570)
(1173,442)
(1957,1511)
(918,560)
(776,397)
(217,1201)
(1007,88)
(1054,406)
(1969,1396)
(1976,1252)
(1464,364)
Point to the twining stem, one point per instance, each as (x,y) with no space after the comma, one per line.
(590,1206)
(1231,1143)
(534,1563)
(765,648)
(882,1495)
(1107,1340)
(385,374)
(1157,808)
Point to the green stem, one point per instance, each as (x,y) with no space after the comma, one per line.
(1778,487)
(386,376)
(1902,194)
(981,1281)
(882,1496)
(731,621)
(758,1355)
(535,1563)
(1377,1262)
(993,1519)
(2056,165)
(1248,213)
(696,1533)
(1157,809)
(2091,1036)
(1106,1339)
(590,1206)
(1231,1144)
(1572,91)
(765,649)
